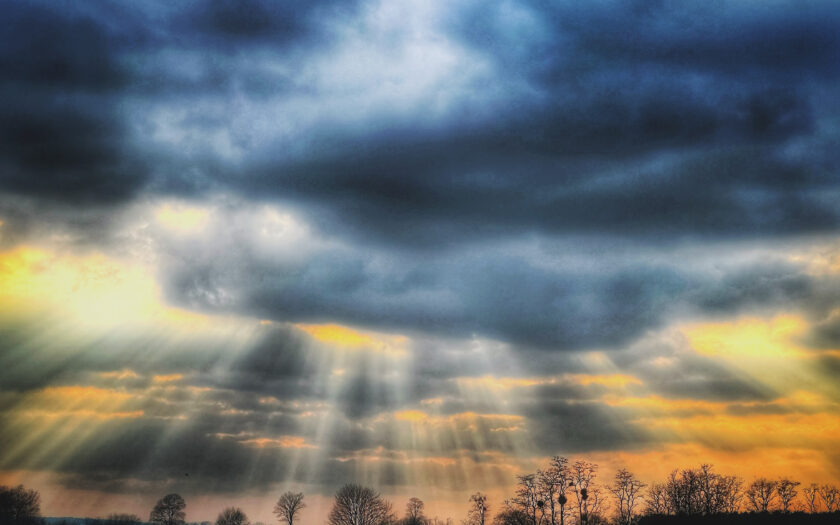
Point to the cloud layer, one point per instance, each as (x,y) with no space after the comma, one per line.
(412,243)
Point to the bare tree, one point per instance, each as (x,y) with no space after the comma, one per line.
(169,510)
(830,495)
(812,497)
(19,504)
(289,506)
(529,499)
(730,493)
(658,502)
(414,514)
(683,489)
(761,494)
(232,516)
(357,505)
(477,515)
(695,491)
(511,514)
(786,490)
(582,475)
(717,493)
(553,483)
(597,506)
(627,491)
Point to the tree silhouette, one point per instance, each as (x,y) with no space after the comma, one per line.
(477,514)
(232,516)
(19,505)
(511,515)
(830,495)
(414,512)
(761,494)
(529,498)
(553,482)
(786,491)
(627,492)
(812,497)
(582,476)
(658,502)
(357,505)
(288,506)
(169,510)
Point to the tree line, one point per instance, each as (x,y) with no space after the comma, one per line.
(569,493)
(561,493)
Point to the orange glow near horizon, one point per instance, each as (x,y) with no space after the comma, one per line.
(441,452)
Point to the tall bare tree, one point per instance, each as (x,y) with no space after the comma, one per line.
(169,510)
(232,516)
(786,491)
(414,514)
(812,497)
(684,492)
(582,476)
(717,493)
(477,515)
(626,489)
(529,498)
(760,494)
(732,493)
(658,502)
(289,506)
(830,495)
(553,482)
(357,505)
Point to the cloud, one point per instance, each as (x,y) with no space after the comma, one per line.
(63,136)
(523,123)
(516,196)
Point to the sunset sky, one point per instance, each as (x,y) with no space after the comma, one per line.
(251,246)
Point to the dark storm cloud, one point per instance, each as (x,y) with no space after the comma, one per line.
(156,451)
(229,23)
(497,293)
(66,133)
(583,426)
(824,334)
(829,365)
(657,144)
(572,146)
(62,136)
(642,122)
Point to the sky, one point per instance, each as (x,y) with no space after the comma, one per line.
(249,247)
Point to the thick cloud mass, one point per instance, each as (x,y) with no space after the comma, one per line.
(512,188)
(438,135)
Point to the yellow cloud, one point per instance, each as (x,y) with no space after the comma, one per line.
(281,442)
(500,383)
(92,290)
(411,415)
(750,337)
(167,378)
(346,337)
(608,380)
(181,217)
(78,401)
